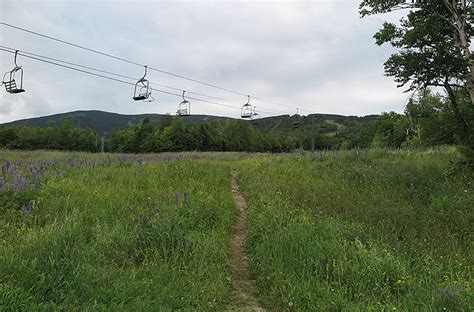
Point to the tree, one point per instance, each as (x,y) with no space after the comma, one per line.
(390,130)
(434,46)
(430,119)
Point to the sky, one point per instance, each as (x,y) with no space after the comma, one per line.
(318,56)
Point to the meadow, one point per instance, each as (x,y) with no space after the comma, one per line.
(117,234)
(372,230)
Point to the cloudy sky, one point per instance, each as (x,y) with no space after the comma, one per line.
(316,55)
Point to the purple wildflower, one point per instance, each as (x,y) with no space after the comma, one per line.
(23,214)
(176,195)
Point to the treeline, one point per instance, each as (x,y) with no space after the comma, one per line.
(428,120)
(63,137)
(172,135)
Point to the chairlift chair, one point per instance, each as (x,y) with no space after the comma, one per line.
(142,89)
(11,85)
(246,111)
(184,108)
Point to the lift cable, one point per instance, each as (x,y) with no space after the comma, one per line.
(141,65)
(127,77)
(9,50)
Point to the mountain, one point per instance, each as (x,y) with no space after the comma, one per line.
(106,123)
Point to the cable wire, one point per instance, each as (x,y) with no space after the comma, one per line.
(141,65)
(120,75)
(41,59)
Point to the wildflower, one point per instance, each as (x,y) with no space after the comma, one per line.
(3,185)
(23,214)
(176,196)
(449,293)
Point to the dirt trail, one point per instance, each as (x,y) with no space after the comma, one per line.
(244,288)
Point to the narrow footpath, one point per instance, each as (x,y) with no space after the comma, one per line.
(244,288)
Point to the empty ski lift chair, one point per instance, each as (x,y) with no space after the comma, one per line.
(184,108)
(246,111)
(142,90)
(11,85)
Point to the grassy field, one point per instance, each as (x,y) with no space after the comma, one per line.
(120,236)
(370,232)
(347,231)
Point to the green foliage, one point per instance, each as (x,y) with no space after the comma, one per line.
(428,39)
(434,49)
(173,135)
(428,121)
(57,137)
(432,121)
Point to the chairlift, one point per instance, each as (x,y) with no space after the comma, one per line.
(246,111)
(142,90)
(11,86)
(255,117)
(184,108)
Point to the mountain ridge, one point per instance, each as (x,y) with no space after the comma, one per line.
(106,123)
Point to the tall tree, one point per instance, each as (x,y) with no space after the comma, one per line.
(433,42)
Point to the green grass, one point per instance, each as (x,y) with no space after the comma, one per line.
(361,233)
(347,231)
(103,238)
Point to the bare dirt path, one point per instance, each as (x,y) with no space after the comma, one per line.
(244,288)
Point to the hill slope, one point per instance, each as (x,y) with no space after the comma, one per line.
(106,123)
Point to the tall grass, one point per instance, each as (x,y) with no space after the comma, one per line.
(121,237)
(365,231)
(371,230)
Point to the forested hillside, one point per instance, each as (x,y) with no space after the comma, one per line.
(427,121)
(104,123)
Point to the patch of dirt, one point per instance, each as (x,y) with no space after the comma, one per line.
(243,286)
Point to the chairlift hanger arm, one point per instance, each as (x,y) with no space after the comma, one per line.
(144,75)
(16,55)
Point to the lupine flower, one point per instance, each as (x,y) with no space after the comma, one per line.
(3,185)
(23,214)
(449,292)
(177,198)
